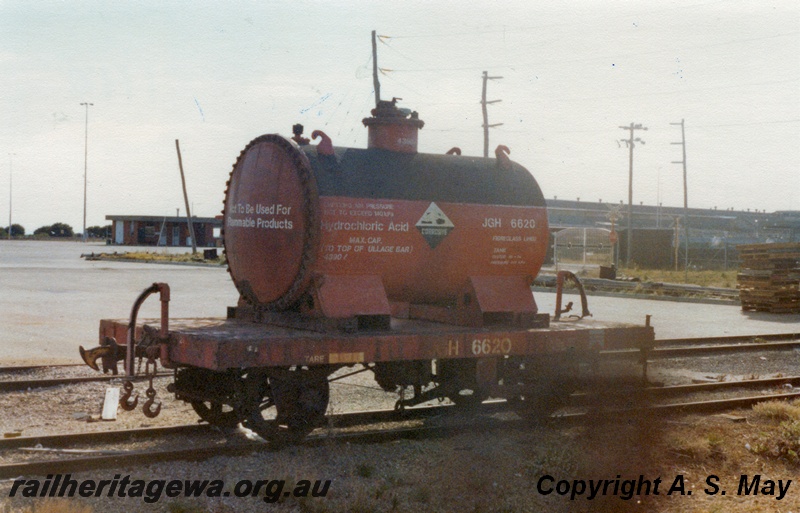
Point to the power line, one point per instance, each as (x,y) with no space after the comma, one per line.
(527,28)
(561,60)
(777,121)
(661,93)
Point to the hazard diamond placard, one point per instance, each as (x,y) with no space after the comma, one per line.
(434,225)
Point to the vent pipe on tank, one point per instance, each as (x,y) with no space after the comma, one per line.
(393,129)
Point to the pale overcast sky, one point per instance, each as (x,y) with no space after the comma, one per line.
(216,75)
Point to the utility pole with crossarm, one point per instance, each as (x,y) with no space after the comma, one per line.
(631,143)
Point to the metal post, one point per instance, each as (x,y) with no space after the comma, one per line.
(376,84)
(10,178)
(677,239)
(555,250)
(186,199)
(685,199)
(725,267)
(630,200)
(630,142)
(584,247)
(485,117)
(85,164)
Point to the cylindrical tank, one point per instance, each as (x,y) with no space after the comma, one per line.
(424,223)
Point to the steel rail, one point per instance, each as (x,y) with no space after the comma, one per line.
(582,398)
(726,340)
(676,352)
(372,436)
(722,404)
(30,384)
(86,463)
(709,406)
(26,368)
(722,385)
(339,420)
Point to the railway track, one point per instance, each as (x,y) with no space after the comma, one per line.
(431,421)
(32,384)
(366,417)
(25,368)
(660,352)
(221,445)
(651,393)
(733,339)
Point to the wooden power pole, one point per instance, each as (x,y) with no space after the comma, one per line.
(484,103)
(186,200)
(376,84)
(685,199)
(630,142)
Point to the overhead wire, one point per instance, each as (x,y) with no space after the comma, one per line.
(507,29)
(560,60)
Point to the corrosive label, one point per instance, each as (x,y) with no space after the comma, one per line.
(434,225)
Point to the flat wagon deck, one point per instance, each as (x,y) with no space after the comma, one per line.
(219,344)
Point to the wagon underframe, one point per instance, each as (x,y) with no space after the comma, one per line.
(219,344)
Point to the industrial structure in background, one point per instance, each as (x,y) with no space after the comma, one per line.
(713,244)
(162,230)
(659,238)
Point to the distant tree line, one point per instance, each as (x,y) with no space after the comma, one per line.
(55,230)
(59,230)
(99,232)
(16,231)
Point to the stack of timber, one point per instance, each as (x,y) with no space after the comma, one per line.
(769,277)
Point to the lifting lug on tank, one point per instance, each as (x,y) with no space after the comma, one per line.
(325,146)
(502,152)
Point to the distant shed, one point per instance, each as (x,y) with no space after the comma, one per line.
(162,230)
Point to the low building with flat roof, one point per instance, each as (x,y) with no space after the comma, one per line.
(162,230)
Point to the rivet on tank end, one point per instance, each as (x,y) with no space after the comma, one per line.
(647,320)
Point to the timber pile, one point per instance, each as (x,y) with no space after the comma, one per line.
(769,277)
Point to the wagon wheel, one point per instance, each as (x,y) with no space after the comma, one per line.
(459,377)
(467,398)
(545,385)
(216,414)
(538,400)
(284,409)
